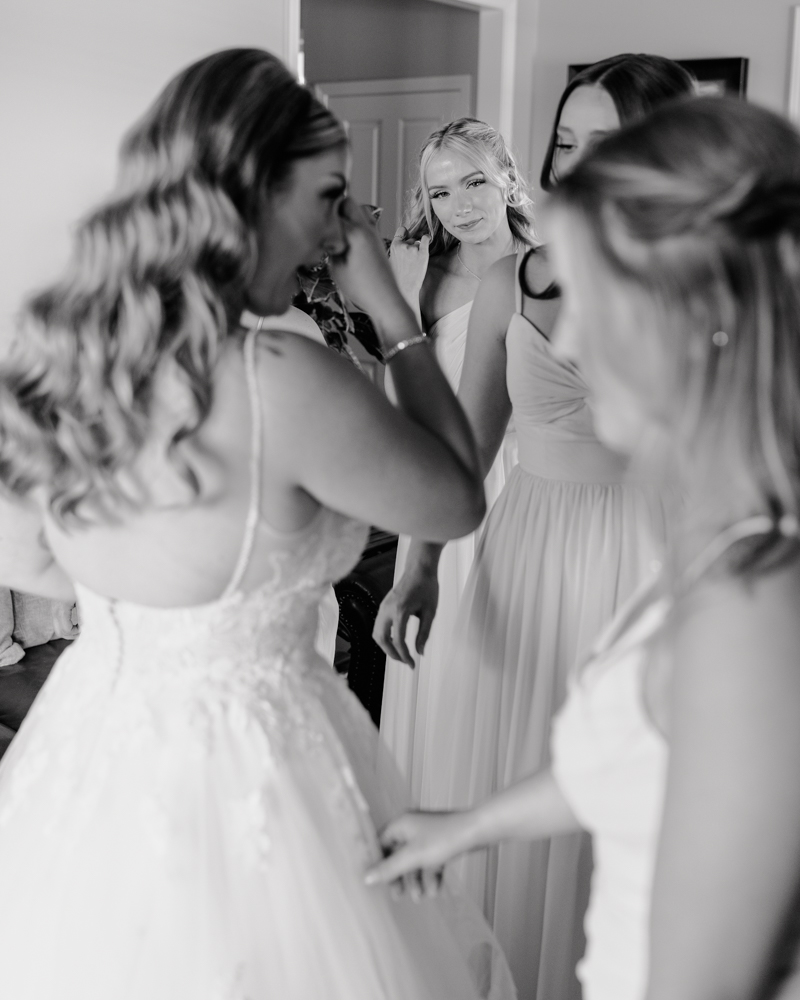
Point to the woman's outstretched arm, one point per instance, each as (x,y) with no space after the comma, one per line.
(528,810)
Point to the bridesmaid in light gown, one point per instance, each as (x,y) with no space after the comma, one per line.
(469,209)
(569,539)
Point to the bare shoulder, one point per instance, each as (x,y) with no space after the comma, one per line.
(502,274)
(292,367)
(742,632)
(499,286)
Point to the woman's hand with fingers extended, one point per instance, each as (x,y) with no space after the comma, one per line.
(415,594)
(409,260)
(419,844)
(362,270)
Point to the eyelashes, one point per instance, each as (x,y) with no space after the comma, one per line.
(478,182)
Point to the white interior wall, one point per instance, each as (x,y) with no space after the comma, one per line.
(73,77)
(560,32)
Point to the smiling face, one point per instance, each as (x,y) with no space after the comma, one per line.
(588,114)
(463,199)
(608,328)
(298,222)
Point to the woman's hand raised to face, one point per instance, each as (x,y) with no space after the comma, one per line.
(362,270)
(409,260)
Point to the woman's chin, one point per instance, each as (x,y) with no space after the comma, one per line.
(275,302)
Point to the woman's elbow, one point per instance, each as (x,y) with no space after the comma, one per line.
(466,511)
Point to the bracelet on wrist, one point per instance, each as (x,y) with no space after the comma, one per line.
(411,342)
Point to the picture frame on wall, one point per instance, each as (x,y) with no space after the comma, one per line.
(793,102)
(714,76)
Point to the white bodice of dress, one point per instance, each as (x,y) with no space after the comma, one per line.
(611,764)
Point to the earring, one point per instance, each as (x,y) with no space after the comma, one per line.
(720,338)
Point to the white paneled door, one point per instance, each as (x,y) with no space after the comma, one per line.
(387,121)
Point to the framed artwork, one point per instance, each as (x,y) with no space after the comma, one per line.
(715,76)
(793,109)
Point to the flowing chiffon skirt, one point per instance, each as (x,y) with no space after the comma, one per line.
(555,561)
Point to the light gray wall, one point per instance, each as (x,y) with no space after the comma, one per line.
(73,77)
(387,39)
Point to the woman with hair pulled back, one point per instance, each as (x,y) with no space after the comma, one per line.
(569,538)
(677,246)
(190,806)
(469,209)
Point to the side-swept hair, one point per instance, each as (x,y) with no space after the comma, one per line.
(698,206)
(485,147)
(636,83)
(157,277)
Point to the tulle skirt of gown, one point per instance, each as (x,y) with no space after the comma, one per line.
(188,815)
(554,562)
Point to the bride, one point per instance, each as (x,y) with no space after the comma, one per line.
(191,804)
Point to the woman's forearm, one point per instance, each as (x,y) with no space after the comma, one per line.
(423,392)
(531,809)
(423,556)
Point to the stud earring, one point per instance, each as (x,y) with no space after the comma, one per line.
(720,338)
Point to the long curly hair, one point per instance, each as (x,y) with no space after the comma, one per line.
(157,279)
(698,208)
(636,83)
(485,147)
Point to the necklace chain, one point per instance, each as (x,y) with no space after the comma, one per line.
(477,277)
(466,267)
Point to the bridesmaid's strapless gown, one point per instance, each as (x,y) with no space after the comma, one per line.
(567,541)
(412,699)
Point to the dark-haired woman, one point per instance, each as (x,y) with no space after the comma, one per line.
(468,210)
(188,810)
(568,540)
(677,244)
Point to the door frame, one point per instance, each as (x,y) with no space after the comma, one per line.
(497,43)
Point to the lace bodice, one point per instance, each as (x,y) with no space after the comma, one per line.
(273,625)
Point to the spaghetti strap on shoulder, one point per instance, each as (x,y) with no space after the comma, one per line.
(254,506)
(522,256)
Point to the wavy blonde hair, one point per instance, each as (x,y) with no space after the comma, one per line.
(487,150)
(157,276)
(698,208)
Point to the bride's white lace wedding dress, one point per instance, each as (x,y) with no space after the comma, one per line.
(189,808)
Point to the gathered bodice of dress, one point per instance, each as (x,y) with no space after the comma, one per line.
(551,413)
